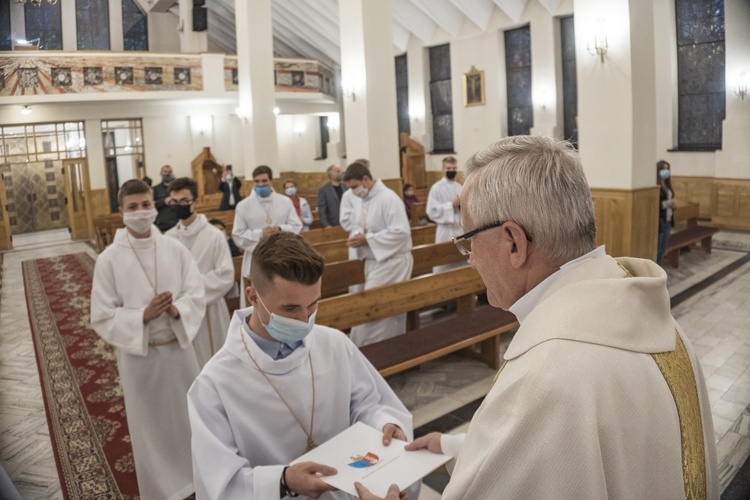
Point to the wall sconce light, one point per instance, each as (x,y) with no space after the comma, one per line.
(740,90)
(598,46)
(25,110)
(276,111)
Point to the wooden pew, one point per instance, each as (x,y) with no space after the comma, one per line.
(468,328)
(689,237)
(336,250)
(339,276)
(418,211)
(322,235)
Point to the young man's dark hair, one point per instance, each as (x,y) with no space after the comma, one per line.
(184,183)
(263,169)
(133,186)
(357,171)
(288,256)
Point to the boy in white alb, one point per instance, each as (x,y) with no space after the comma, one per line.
(208,246)
(147,302)
(263,212)
(281,385)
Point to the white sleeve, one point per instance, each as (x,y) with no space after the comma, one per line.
(348,217)
(293,224)
(438,210)
(190,301)
(220,279)
(219,472)
(243,235)
(116,324)
(386,242)
(305,211)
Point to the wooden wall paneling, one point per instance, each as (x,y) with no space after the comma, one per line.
(99,202)
(627,221)
(645,229)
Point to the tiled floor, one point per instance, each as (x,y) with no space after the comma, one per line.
(716,319)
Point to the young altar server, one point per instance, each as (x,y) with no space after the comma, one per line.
(282,385)
(262,213)
(147,301)
(211,252)
(444,208)
(384,241)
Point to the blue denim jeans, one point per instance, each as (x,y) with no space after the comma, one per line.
(665,231)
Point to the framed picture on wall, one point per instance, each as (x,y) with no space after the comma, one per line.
(474,88)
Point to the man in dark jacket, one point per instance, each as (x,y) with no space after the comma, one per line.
(230,188)
(166,219)
(329,197)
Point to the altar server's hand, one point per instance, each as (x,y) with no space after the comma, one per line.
(391,431)
(393,493)
(303,478)
(431,442)
(270,229)
(173,312)
(356,241)
(158,306)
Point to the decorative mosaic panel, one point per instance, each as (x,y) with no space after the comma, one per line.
(134,26)
(92,24)
(518,78)
(45,24)
(35,74)
(441,98)
(569,80)
(402,94)
(290,75)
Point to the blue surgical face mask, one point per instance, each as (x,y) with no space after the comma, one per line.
(262,191)
(287,330)
(664,174)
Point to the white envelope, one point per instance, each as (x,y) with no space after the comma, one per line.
(358,455)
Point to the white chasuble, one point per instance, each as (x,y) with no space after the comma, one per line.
(156,361)
(440,210)
(388,254)
(582,408)
(243,434)
(252,215)
(209,247)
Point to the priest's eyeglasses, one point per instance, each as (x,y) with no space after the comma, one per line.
(463,242)
(184,202)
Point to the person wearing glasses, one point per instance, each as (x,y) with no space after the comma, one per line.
(444,207)
(601,394)
(211,252)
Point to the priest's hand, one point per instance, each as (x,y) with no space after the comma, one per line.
(158,306)
(391,431)
(393,493)
(303,478)
(356,241)
(456,202)
(431,442)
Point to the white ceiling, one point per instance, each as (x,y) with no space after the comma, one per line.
(310,28)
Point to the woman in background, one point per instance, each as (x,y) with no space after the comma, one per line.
(667,204)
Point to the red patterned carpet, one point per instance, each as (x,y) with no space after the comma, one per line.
(80,384)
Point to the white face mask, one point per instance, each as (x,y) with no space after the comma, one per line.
(140,221)
(360,192)
(291,191)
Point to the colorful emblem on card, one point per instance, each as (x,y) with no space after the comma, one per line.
(362,462)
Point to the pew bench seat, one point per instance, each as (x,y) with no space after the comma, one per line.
(686,239)
(483,326)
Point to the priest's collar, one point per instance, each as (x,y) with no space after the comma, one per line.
(523,306)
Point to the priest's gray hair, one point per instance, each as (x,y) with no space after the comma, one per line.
(537,182)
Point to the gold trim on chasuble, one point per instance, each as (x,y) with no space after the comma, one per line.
(677,371)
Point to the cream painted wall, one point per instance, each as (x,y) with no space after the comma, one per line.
(298,138)
(162,32)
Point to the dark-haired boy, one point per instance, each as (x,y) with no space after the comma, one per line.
(281,385)
(147,302)
(211,253)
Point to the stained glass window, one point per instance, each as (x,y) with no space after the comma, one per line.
(134,26)
(569,79)
(44,23)
(701,73)
(518,77)
(441,98)
(5,41)
(402,95)
(92,24)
